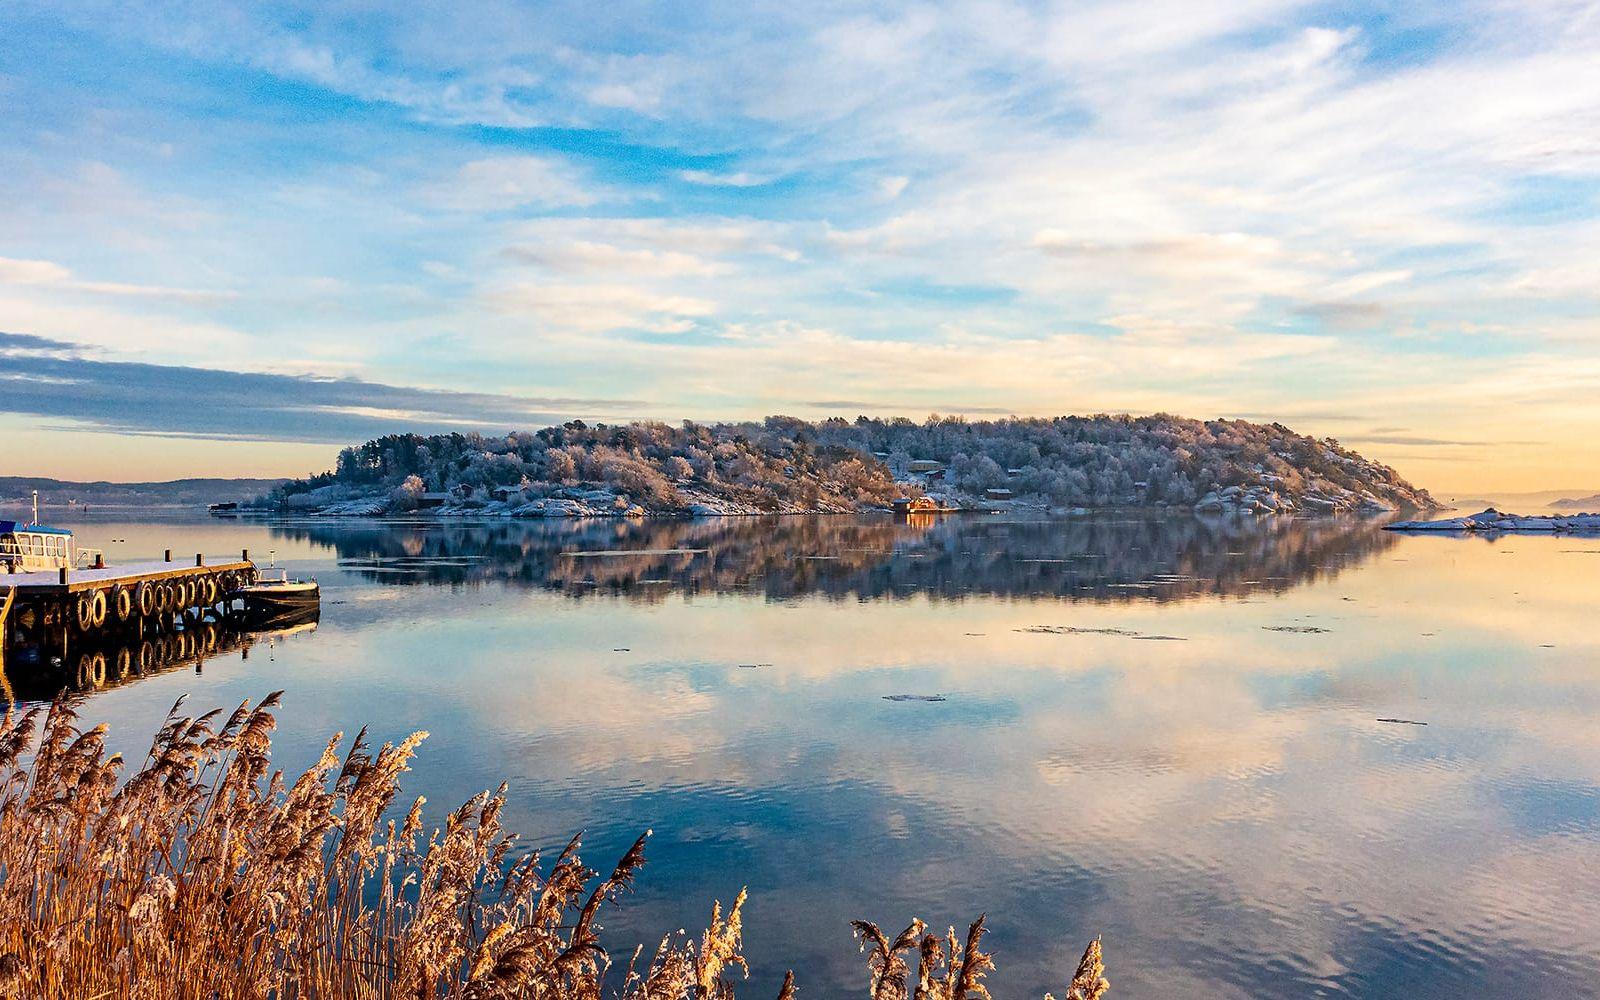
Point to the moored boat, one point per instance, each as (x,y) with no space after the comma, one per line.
(279,594)
(32,547)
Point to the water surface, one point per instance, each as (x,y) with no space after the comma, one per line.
(1165,731)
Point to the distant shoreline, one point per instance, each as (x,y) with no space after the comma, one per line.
(93,512)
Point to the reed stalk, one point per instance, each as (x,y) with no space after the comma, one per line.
(206,875)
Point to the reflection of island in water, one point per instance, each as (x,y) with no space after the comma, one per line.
(39,672)
(1092,558)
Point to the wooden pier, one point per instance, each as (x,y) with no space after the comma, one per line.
(65,607)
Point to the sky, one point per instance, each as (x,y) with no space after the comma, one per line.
(234,236)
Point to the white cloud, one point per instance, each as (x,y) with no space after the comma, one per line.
(703,237)
(32,272)
(890,188)
(498,183)
(600,307)
(48,274)
(101,324)
(618,95)
(738,179)
(1366,281)
(584,257)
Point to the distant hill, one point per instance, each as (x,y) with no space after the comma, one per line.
(1578,503)
(1570,498)
(17,491)
(784,464)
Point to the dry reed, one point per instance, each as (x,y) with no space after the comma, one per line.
(206,876)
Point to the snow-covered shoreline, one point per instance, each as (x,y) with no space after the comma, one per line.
(1492,520)
(1265,498)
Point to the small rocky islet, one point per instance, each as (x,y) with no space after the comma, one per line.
(1492,521)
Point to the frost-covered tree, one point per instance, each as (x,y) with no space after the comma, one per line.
(404,496)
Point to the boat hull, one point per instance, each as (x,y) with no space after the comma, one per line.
(281,600)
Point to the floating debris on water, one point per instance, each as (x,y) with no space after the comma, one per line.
(460,560)
(1404,722)
(1298,629)
(753,666)
(1075,630)
(914,697)
(621,649)
(975,633)
(612,553)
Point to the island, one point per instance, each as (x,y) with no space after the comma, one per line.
(786,465)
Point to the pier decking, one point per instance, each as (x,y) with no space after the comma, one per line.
(127,574)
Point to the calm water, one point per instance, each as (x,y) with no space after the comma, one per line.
(1208,786)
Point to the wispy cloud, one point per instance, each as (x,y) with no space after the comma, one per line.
(499,183)
(737,179)
(842,406)
(585,257)
(50,275)
(598,307)
(1249,206)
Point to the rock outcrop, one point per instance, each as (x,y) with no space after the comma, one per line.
(1269,494)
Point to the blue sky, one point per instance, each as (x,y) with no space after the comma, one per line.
(1379,222)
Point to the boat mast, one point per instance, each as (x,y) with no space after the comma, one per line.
(36,507)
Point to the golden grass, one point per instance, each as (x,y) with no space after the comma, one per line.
(205,875)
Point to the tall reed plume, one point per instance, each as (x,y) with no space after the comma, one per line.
(205,875)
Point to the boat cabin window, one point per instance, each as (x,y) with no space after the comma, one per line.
(25,547)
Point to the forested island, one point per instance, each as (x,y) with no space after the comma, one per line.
(788,465)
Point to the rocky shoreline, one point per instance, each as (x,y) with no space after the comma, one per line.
(1265,498)
(1494,521)
(574,502)
(581,502)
